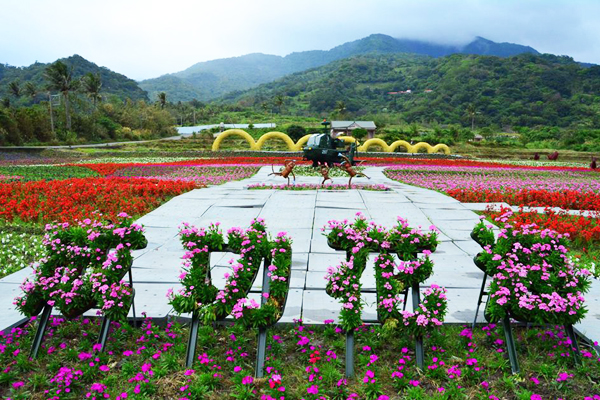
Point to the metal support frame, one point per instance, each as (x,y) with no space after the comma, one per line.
(574,345)
(350,354)
(41,329)
(135,320)
(104,328)
(510,345)
(416,300)
(262,331)
(103,335)
(192,340)
(482,293)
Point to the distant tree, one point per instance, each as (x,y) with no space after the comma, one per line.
(279,101)
(359,133)
(15,88)
(162,99)
(296,132)
(31,90)
(92,85)
(60,77)
(340,108)
(471,112)
(264,106)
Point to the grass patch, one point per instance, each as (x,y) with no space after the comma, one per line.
(306,361)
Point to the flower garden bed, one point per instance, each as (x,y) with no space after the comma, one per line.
(316,186)
(304,362)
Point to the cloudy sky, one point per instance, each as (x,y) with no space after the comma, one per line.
(147,38)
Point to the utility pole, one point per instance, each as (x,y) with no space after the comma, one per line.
(51,116)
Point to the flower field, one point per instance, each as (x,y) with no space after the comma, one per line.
(302,363)
(79,198)
(200,175)
(566,188)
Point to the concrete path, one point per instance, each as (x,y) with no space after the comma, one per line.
(302,214)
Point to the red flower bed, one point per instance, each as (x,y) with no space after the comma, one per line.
(582,230)
(72,199)
(110,168)
(568,199)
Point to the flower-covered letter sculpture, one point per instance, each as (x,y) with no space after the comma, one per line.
(83,269)
(198,294)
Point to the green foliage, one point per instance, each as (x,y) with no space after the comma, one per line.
(360,133)
(524,90)
(296,132)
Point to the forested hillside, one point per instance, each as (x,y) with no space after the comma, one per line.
(211,79)
(113,84)
(524,90)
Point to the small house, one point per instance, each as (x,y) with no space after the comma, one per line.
(346,127)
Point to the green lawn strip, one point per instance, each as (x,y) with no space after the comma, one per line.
(226,356)
(47,172)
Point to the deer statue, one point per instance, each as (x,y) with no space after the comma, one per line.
(325,173)
(288,169)
(346,165)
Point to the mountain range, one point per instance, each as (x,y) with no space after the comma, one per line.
(523,90)
(211,79)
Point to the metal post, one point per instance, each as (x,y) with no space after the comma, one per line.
(350,354)
(262,331)
(510,344)
(104,328)
(419,338)
(574,345)
(41,329)
(481,294)
(405,299)
(135,321)
(193,339)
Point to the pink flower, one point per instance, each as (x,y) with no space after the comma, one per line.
(314,389)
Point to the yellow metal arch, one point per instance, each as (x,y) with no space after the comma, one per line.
(233,132)
(375,142)
(422,145)
(279,135)
(442,147)
(301,142)
(348,139)
(401,143)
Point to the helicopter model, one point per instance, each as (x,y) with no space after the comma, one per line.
(322,149)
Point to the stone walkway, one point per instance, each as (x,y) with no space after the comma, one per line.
(302,214)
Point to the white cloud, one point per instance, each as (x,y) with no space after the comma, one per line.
(144,39)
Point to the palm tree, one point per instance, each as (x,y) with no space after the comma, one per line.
(279,101)
(340,108)
(162,99)
(471,112)
(30,90)
(92,85)
(15,88)
(60,78)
